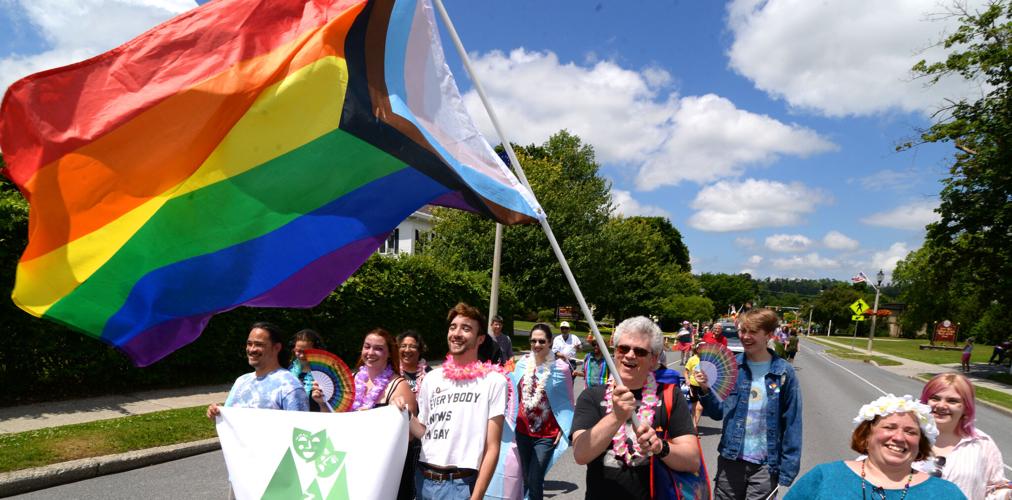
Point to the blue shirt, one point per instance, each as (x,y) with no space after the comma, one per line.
(835,481)
(277,390)
(754,449)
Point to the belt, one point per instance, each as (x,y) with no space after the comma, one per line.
(447,475)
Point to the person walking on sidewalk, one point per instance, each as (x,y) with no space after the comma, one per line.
(760,446)
(269,386)
(967,352)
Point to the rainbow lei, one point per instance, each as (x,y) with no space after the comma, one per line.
(365,400)
(621,441)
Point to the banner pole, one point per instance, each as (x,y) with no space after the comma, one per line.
(493,301)
(523,179)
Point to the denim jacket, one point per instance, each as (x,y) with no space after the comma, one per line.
(783,417)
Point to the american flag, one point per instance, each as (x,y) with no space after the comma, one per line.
(860,278)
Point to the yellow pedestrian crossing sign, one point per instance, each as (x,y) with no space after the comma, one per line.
(857,317)
(859,306)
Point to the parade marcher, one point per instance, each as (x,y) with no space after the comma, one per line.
(305,339)
(461,411)
(792,346)
(376,380)
(595,369)
(619,466)
(503,340)
(963,454)
(715,335)
(684,341)
(269,386)
(892,432)
(967,352)
(690,366)
(413,369)
(564,346)
(760,446)
(545,412)
(1001,352)
(488,350)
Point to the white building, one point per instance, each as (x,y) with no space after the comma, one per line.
(409,234)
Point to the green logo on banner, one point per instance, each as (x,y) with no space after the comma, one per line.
(317,451)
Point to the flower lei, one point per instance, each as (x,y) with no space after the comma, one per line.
(533,391)
(367,399)
(470,371)
(419,374)
(620,442)
(889,404)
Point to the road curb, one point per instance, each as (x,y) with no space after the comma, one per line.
(23,481)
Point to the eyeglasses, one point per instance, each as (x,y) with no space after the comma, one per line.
(623,349)
(409,347)
(539,341)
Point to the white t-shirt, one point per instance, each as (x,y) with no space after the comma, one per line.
(567,349)
(456,416)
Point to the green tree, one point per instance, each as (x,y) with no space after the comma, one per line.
(675,249)
(976,199)
(728,289)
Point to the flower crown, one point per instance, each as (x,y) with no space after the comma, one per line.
(889,404)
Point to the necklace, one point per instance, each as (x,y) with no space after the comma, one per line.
(419,374)
(470,371)
(626,448)
(882,494)
(534,391)
(367,399)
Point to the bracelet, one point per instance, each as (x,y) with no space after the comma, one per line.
(665,449)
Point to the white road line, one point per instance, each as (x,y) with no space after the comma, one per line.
(877,388)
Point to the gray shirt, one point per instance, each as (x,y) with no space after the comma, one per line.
(505,346)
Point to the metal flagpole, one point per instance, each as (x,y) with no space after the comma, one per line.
(493,301)
(523,179)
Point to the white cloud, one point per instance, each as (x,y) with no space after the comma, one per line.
(751,204)
(745,242)
(626,205)
(788,243)
(808,261)
(79,29)
(755,260)
(889,179)
(911,216)
(886,260)
(843,58)
(632,118)
(839,241)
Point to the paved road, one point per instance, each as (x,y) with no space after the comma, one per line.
(832,389)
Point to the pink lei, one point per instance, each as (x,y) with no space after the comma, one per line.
(621,441)
(475,370)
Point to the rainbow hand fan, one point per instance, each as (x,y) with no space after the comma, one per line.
(333,377)
(720,367)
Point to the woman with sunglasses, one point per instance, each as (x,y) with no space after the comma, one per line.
(963,454)
(619,466)
(544,386)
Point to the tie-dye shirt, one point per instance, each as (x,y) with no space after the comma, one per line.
(278,390)
(755,423)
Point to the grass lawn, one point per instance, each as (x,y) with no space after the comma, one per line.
(909,349)
(70,442)
(859,355)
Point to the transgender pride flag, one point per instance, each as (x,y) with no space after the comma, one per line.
(246,152)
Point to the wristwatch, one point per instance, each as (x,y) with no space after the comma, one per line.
(665,449)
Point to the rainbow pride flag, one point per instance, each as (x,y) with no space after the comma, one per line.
(245,153)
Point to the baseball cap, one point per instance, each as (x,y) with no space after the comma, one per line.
(564,324)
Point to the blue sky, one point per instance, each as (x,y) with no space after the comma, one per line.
(765,130)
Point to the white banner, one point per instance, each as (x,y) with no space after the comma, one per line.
(273,454)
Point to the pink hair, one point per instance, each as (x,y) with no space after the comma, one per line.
(964,388)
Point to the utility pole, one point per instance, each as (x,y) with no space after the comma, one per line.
(830,329)
(871,336)
(810,311)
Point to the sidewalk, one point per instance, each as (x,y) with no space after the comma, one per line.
(53,414)
(912,369)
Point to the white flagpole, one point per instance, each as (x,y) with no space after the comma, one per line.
(493,301)
(523,179)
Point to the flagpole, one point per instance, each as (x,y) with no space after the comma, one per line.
(493,301)
(542,217)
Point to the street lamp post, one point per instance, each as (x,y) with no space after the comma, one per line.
(871,336)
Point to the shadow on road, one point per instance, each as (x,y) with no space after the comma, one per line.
(553,488)
(708,431)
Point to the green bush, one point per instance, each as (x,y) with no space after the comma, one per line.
(546,315)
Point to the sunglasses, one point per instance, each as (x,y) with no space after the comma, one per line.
(539,341)
(937,466)
(623,349)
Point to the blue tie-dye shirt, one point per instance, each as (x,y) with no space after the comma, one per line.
(278,390)
(755,422)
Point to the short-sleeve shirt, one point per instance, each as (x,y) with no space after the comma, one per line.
(456,414)
(505,347)
(277,390)
(690,366)
(565,347)
(595,370)
(609,478)
(755,450)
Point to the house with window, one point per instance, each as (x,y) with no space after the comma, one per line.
(409,236)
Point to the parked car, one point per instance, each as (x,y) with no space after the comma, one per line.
(733,341)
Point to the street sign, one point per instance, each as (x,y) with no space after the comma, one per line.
(859,306)
(857,317)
